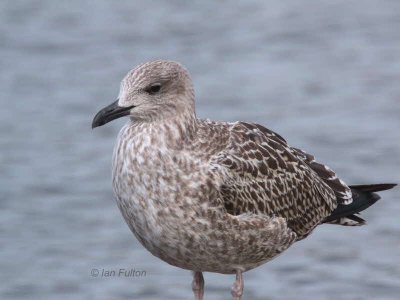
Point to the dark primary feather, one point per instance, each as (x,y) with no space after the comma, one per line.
(373,187)
(363,197)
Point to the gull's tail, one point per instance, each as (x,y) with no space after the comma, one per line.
(363,197)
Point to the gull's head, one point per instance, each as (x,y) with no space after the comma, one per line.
(152,91)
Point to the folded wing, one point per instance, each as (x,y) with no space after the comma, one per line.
(262,174)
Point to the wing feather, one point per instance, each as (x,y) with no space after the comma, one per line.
(262,174)
(341,189)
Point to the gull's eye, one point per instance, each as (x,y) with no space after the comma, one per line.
(153,89)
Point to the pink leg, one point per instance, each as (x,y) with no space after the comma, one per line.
(198,285)
(237,288)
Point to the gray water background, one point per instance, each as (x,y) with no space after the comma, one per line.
(324,74)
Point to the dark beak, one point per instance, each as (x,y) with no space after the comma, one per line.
(109,113)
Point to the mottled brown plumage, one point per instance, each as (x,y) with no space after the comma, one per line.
(213,196)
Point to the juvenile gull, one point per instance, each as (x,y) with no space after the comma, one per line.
(214,196)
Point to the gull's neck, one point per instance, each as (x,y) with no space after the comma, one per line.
(174,130)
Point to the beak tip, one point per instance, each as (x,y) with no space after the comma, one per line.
(98,120)
(95,123)
(109,113)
